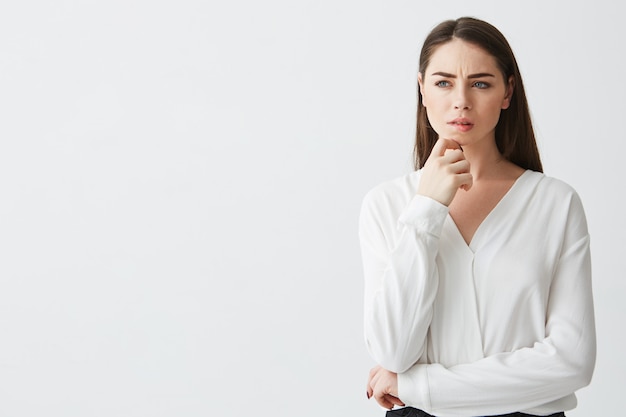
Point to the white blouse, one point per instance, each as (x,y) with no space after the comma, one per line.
(503,324)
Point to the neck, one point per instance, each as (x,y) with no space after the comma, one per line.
(486,162)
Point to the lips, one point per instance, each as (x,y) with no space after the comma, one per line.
(460,121)
(461,124)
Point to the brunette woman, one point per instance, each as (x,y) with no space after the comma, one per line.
(478,295)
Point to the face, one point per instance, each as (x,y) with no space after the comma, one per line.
(464,91)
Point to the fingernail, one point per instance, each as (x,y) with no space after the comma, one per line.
(368,394)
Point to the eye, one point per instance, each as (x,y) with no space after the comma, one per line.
(481,85)
(442,83)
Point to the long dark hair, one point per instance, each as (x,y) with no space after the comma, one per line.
(515,136)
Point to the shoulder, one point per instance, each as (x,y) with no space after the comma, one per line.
(394,193)
(553,184)
(561,202)
(556,190)
(382,206)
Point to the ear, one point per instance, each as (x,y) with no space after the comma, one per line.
(510,87)
(420,82)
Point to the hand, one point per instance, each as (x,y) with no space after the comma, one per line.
(383,386)
(445,171)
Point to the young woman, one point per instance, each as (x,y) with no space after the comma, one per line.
(478,296)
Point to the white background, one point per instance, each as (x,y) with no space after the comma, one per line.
(180,184)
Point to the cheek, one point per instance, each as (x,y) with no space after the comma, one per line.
(493,110)
(435,120)
(430,96)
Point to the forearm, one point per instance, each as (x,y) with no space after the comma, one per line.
(508,382)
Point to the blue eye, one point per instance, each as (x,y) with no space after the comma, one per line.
(481,85)
(442,83)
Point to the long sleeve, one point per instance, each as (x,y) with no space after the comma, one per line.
(535,379)
(398,252)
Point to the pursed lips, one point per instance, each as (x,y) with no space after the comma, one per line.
(461,124)
(460,121)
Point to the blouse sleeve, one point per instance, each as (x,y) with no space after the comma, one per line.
(400,273)
(551,369)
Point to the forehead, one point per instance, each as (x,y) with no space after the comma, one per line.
(459,56)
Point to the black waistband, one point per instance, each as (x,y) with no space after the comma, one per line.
(414,412)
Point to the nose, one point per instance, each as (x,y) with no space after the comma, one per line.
(461,100)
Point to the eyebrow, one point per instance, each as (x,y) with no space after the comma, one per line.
(477,75)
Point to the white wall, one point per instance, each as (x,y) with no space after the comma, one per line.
(180,183)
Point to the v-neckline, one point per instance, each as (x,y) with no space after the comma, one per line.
(471,246)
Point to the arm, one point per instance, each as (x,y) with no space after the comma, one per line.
(400,278)
(551,369)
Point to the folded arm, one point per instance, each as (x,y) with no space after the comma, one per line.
(550,370)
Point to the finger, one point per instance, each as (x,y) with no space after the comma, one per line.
(442,144)
(466,181)
(453,155)
(394,400)
(383,401)
(459,167)
(369,389)
(389,401)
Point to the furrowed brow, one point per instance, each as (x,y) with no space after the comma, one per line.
(444,74)
(478,75)
(481,75)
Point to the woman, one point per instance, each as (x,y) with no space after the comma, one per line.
(477,267)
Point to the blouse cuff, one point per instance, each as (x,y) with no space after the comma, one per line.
(425,214)
(413,387)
